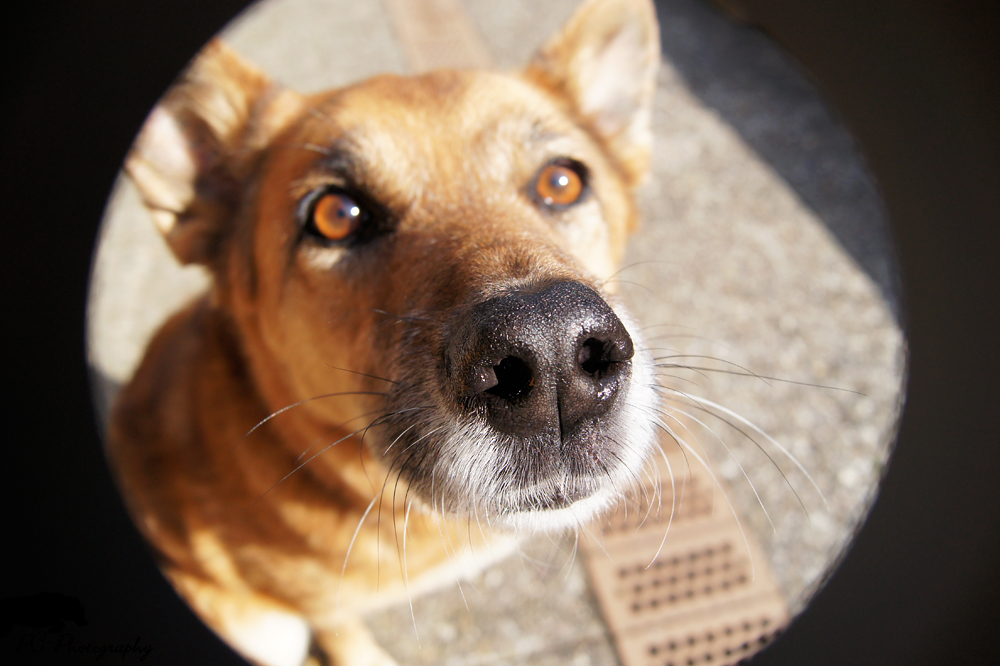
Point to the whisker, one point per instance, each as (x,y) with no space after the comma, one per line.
(438,519)
(663,375)
(732,509)
(599,542)
(298,467)
(630,266)
(757,444)
(572,556)
(334,429)
(363,374)
(745,371)
(758,376)
(389,317)
(393,443)
(738,464)
(773,441)
(406,577)
(398,318)
(629,282)
(379,421)
(350,547)
(417,440)
(673,496)
(299,404)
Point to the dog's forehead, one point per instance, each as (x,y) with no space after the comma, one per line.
(447,126)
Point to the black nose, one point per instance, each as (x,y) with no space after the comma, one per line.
(541,361)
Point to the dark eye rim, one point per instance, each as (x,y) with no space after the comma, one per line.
(578,167)
(371,223)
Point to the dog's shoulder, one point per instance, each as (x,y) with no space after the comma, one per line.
(158,417)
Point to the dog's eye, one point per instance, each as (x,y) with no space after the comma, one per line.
(560,184)
(336,216)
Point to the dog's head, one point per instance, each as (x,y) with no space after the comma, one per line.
(430,250)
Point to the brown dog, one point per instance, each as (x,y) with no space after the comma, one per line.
(407,302)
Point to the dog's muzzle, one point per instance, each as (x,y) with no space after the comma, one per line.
(544,363)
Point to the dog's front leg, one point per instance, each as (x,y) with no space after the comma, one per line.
(262,630)
(350,643)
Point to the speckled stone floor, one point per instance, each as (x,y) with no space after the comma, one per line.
(764,248)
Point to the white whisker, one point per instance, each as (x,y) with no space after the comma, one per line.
(350,547)
(734,458)
(406,577)
(750,424)
(718,485)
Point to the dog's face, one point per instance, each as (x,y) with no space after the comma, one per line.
(431,250)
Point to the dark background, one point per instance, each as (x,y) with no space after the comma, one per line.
(917,82)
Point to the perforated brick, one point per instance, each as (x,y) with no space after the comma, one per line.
(702,595)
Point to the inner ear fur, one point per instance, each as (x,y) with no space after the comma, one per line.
(195,148)
(604,62)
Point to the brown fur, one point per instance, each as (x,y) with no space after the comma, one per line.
(241,525)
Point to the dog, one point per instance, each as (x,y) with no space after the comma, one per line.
(407,359)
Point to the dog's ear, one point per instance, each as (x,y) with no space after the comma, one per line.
(604,61)
(191,156)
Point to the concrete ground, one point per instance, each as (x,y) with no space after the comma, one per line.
(764,247)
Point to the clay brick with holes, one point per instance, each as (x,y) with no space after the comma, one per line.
(702,595)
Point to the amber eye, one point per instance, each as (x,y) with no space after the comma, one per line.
(559,184)
(336,216)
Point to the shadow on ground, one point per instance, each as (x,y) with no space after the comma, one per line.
(770,102)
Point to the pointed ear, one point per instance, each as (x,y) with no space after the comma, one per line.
(190,157)
(604,62)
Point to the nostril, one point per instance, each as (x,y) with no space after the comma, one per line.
(513,378)
(598,358)
(591,357)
